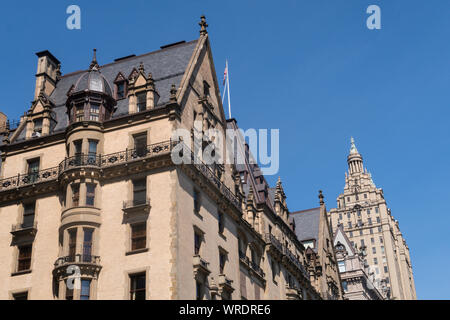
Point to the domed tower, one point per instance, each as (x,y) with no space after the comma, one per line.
(354,159)
(90,102)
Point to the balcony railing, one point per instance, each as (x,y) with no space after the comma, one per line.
(257,269)
(24,228)
(136,203)
(77,259)
(271,239)
(288,253)
(22,180)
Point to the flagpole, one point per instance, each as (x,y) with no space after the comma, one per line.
(228,85)
(224,91)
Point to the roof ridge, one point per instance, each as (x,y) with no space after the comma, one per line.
(133,57)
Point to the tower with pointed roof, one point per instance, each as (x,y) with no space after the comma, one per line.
(363,214)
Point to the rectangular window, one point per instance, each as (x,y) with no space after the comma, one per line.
(360,232)
(85,289)
(140,145)
(348,215)
(378,220)
(21,296)
(38,125)
(92,151)
(369,221)
(344,286)
(371,230)
(340,216)
(69,293)
(24,262)
(196,201)
(379,229)
(368,211)
(359,223)
(351,234)
(120,90)
(79,113)
(221,222)
(374,250)
(139,191)
(198,290)
(359,213)
(376,209)
(33,169)
(28,215)
(90,194)
(222,259)
(375,261)
(362,242)
(141,101)
(372,240)
(87,245)
(94,112)
(138,236)
(381,239)
(78,152)
(137,286)
(382,249)
(75,195)
(72,244)
(197,242)
(341,265)
(385,269)
(365,195)
(349,224)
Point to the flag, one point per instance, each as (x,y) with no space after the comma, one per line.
(225,74)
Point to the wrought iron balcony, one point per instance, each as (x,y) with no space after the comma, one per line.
(294,260)
(274,242)
(24,229)
(109,160)
(77,259)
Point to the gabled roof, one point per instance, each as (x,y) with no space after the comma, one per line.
(307,224)
(167,66)
(255,178)
(341,237)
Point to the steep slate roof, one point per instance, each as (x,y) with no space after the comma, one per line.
(166,65)
(255,174)
(306,224)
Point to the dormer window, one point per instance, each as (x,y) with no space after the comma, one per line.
(120,90)
(79,113)
(94,112)
(141,101)
(38,126)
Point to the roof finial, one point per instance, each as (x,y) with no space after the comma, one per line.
(141,67)
(203,25)
(173,93)
(321,198)
(353,146)
(94,63)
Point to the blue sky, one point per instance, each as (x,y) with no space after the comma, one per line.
(311,69)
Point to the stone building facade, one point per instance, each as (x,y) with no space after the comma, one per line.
(357,282)
(314,232)
(367,221)
(89,191)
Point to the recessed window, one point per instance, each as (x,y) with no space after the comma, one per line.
(24,262)
(141,101)
(92,151)
(221,222)
(90,194)
(94,112)
(341,265)
(138,236)
(375,261)
(75,194)
(120,90)
(85,289)
(349,224)
(222,260)
(365,195)
(33,169)
(378,220)
(87,245)
(386,269)
(345,286)
(38,126)
(372,240)
(198,290)
(206,92)
(196,201)
(28,215)
(374,250)
(79,113)
(197,242)
(381,239)
(72,244)
(137,286)
(139,191)
(140,144)
(369,221)
(376,209)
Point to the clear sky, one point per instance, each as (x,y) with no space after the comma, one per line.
(309,68)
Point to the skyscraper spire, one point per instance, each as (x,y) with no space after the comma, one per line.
(354,159)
